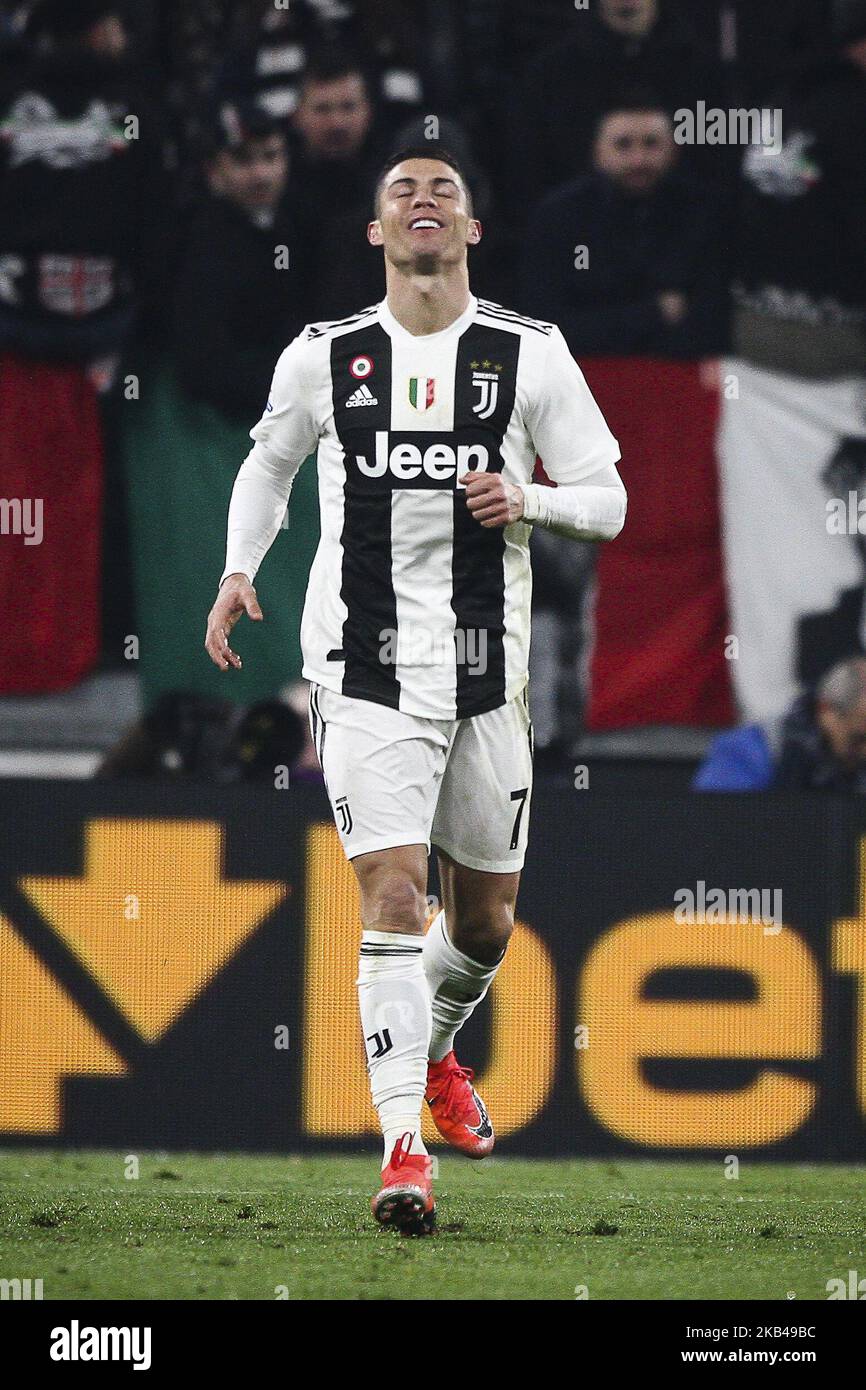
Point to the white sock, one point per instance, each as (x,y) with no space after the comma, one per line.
(457,984)
(395,1017)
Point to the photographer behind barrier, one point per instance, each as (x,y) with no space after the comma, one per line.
(819,745)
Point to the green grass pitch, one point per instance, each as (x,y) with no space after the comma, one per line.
(194,1226)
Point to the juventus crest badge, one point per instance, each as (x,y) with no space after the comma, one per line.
(485,376)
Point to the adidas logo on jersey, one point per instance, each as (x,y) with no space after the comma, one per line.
(438,461)
(363,396)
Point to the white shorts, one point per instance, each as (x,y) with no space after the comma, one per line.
(397,779)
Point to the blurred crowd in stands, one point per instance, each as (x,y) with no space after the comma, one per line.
(185,183)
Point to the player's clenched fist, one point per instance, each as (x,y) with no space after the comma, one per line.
(491,500)
(236,596)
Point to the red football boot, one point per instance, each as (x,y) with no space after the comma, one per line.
(405,1199)
(458,1111)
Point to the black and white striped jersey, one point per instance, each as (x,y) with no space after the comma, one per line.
(410,602)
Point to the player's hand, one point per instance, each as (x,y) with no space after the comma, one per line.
(491,500)
(236,596)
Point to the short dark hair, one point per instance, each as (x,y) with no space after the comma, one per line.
(236,123)
(330,62)
(630,100)
(428,150)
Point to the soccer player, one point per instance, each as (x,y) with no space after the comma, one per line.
(428,410)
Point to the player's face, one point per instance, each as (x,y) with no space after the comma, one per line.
(334,117)
(635,149)
(424,220)
(252,177)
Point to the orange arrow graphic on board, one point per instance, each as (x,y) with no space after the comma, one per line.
(153,919)
(43,1038)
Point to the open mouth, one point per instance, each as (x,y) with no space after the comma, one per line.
(425,224)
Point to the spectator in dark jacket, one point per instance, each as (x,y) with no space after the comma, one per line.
(335,161)
(616,45)
(81,188)
(626,259)
(240,295)
(272,46)
(83,192)
(820,745)
(800,283)
(763,39)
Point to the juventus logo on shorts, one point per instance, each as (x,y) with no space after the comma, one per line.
(487,383)
(382,1041)
(341,806)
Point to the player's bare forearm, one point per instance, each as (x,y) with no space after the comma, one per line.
(236,597)
(491,500)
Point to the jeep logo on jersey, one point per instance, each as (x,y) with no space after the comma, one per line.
(435,461)
(422,392)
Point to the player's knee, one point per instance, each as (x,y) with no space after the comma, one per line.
(394,903)
(482,932)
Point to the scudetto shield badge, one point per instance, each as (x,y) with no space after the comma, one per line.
(422,392)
